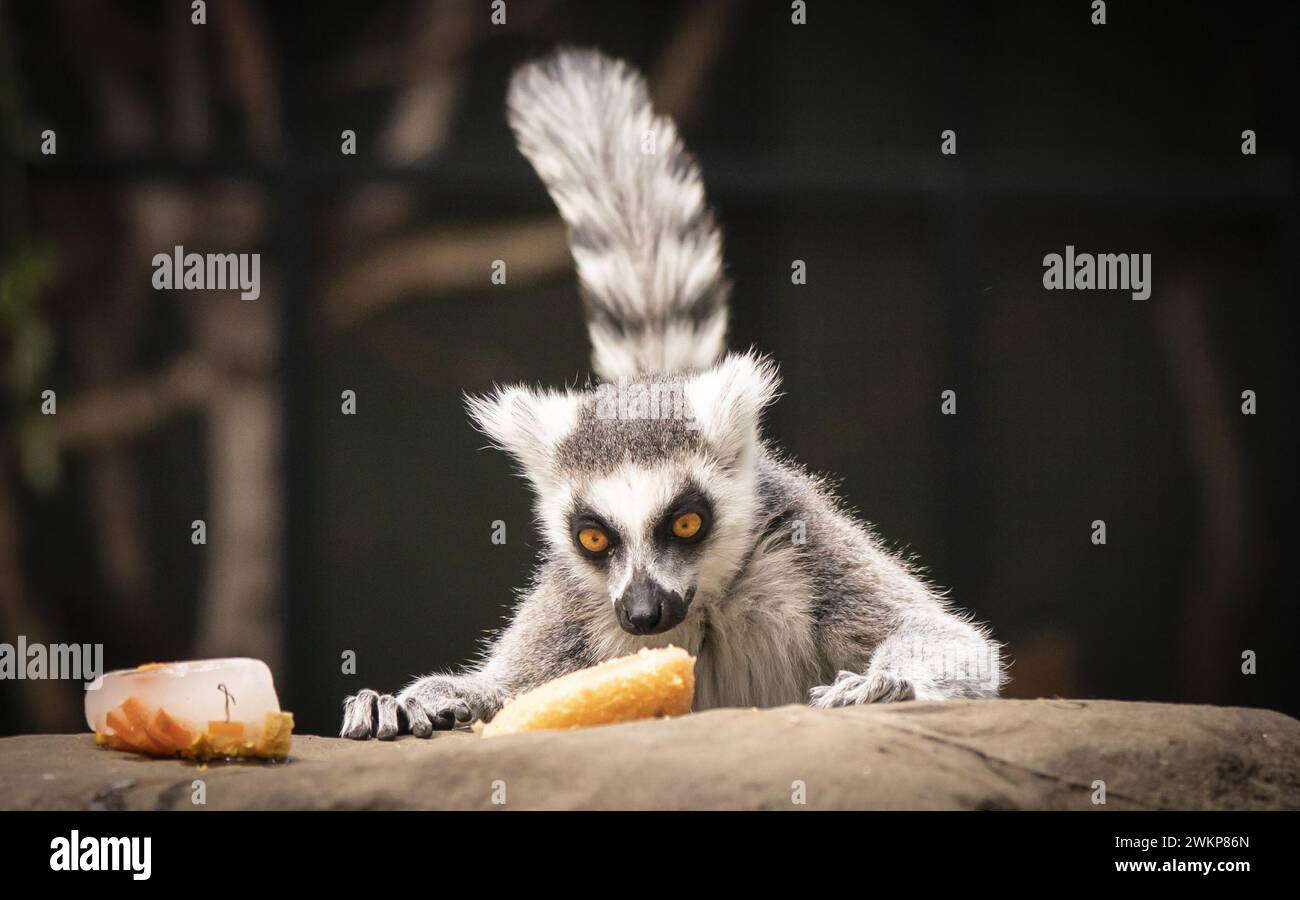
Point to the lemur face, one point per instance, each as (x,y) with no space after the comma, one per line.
(642,533)
(645,487)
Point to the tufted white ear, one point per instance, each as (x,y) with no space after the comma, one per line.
(727,402)
(528,424)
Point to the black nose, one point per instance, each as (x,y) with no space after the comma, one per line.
(644,615)
(648,608)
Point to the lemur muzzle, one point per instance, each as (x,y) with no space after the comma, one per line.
(646,607)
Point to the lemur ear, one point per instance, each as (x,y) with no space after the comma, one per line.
(727,402)
(528,424)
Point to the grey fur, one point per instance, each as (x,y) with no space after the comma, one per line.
(794,600)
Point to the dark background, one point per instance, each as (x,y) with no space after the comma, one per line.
(371,533)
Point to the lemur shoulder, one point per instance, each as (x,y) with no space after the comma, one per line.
(665,516)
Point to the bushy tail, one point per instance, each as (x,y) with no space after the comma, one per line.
(647,248)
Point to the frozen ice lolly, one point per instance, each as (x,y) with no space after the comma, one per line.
(200,709)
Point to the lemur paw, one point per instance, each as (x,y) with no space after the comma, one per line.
(368,714)
(852,688)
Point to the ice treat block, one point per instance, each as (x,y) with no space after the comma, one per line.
(648,684)
(200,709)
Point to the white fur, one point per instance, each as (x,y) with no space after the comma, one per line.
(621,178)
(526,423)
(728,402)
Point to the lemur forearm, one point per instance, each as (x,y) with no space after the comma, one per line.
(942,655)
(540,643)
(897,639)
(927,653)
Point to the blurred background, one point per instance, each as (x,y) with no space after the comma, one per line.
(371,533)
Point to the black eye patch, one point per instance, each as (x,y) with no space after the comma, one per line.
(690,501)
(583,520)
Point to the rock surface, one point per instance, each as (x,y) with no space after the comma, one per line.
(993,754)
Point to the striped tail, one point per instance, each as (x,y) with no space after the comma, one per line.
(647,248)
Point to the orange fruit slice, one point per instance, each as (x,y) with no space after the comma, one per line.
(128,732)
(170,733)
(226,729)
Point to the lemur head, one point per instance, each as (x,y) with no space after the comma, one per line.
(645,487)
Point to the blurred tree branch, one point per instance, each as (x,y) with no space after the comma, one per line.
(684,66)
(249,64)
(1220,576)
(444,261)
(108,414)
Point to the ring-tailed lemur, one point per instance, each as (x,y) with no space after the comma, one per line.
(666,518)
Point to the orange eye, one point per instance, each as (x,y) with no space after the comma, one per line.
(687,525)
(593,540)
